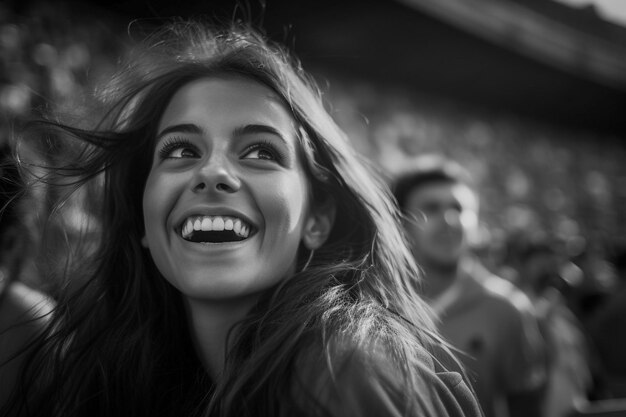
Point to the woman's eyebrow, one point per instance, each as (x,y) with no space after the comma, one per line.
(258,128)
(180,128)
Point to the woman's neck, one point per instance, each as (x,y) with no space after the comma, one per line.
(210,323)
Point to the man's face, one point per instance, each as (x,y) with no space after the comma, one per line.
(440,215)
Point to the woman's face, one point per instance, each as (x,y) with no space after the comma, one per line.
(227,199)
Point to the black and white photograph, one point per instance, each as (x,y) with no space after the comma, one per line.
(330,208)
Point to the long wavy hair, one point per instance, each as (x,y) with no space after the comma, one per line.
(120,344)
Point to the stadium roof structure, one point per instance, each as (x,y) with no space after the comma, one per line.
(537,58)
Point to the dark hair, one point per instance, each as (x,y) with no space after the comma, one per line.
(113,349)
(14,235)
(10,188)
(426,170)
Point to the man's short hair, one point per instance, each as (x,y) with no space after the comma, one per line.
(426,170)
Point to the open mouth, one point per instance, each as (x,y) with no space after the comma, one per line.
(215,229)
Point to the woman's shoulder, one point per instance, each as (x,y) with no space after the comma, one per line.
(383,379)
(454,393)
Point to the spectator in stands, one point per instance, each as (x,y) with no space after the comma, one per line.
(250,263)
(490,321)
(607,328)
(539,270)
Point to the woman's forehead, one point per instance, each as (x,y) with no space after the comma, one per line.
(231,96)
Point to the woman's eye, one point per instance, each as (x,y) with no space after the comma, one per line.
(262,151)
(177,149)
(260,154)
(182,153)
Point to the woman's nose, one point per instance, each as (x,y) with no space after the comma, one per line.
(216,174)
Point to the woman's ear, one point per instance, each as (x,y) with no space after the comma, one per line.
(144,241)
(319,224)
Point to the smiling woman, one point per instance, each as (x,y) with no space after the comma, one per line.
(249,262)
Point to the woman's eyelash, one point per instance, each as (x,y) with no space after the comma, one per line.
(171,144)
(174,143)
(267,145)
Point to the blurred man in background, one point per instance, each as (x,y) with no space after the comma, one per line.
(486,318)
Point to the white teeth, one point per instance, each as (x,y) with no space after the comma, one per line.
(218,224)
(188,228)
(214,223)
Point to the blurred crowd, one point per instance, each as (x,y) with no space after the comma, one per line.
(552,218)
(537,183)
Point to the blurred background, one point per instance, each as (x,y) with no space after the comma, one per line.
(529,95)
